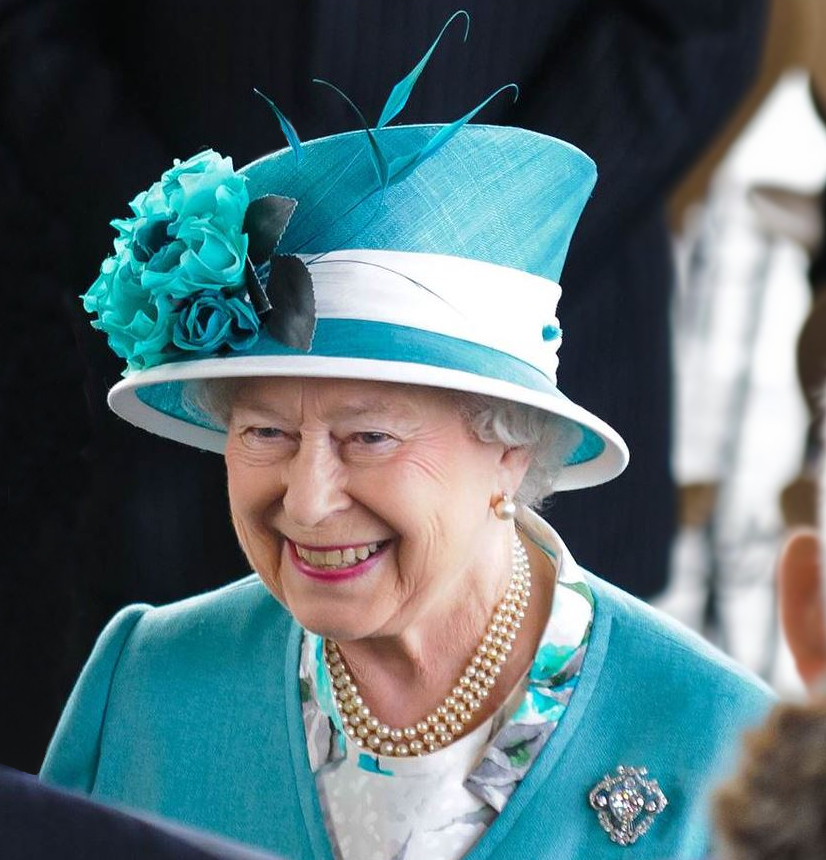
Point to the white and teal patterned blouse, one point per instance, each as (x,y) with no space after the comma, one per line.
(437,806)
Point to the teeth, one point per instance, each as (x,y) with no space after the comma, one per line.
(336,558)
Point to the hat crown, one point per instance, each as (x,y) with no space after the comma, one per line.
(494,194)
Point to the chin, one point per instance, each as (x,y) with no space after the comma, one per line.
(324,616)
(331,628)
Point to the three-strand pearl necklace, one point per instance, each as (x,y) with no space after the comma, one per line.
(459,708)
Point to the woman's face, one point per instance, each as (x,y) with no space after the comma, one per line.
(364,505)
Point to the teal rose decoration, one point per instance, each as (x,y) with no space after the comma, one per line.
(201,257)
(138,329)
(211,323)
(206,186)
(176,283)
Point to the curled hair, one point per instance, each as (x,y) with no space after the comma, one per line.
(550,438)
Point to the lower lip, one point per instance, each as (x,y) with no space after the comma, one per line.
(340,574)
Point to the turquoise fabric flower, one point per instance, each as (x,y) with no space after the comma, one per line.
(206,186)
(139,328)
(176,284)
(211,323)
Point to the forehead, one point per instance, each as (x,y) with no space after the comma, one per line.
(339,396)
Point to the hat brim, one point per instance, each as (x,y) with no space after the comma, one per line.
(154,400)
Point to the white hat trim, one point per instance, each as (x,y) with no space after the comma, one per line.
(495,306)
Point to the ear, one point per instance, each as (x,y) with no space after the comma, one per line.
(513,465)
(802,605)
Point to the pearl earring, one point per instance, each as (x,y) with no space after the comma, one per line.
(504,509)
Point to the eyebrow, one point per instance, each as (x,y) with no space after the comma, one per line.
(253,404)
(371,406)
(357,409)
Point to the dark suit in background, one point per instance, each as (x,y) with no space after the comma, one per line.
(98,98)
(42,823)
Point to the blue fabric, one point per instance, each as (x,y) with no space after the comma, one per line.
(478,197)
(193,711)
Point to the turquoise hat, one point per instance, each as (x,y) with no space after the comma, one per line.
(424,254)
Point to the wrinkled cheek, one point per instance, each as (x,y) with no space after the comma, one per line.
(417,557)
(242,533)
(263,551)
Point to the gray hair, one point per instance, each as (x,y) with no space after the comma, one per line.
(551,439)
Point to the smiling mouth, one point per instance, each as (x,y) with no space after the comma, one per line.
(337,559)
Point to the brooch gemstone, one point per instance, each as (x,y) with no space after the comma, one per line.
(626,803)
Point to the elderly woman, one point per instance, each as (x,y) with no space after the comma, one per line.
(365,326)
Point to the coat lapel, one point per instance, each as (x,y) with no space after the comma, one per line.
(318,842)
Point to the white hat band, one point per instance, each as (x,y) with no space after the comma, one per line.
(504,309)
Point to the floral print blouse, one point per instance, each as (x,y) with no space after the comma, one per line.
(495,757)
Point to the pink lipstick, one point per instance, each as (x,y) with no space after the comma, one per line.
(336,563)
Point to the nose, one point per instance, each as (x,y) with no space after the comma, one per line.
(316,482)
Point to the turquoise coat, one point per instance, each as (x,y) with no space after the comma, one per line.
(192,711)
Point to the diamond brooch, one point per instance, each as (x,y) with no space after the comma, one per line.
(627,803)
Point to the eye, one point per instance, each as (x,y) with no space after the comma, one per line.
(260,437)
(265,432)
(371,437)
(367,445)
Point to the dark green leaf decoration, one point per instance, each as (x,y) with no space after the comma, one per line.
(286,127)
(255,290)
(401,92)
(265,222)
(519,755)
(290,292)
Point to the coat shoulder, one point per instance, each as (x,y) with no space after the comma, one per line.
(211,635)
(226,608)
(145,652)
(676,667)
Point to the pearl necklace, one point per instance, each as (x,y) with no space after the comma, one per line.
(458,709)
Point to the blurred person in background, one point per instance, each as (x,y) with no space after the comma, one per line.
(740,303)
(775,809)
(799,498)
(90,99)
